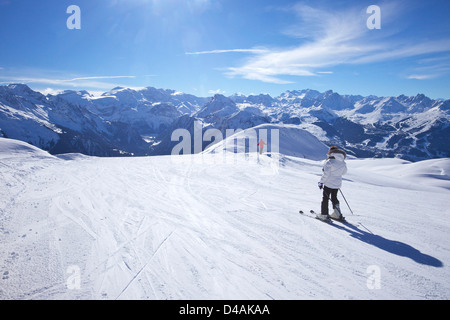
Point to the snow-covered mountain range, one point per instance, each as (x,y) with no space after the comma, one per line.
(128,121)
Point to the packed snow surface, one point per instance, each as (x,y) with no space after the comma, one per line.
(218,226)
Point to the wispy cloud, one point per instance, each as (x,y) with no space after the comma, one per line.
(229,50)
(405,50)
(98,77)
(422,76)
(328,39)
(218,91)
(92,82)
(429,68)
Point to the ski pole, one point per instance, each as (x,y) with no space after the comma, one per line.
(346,201)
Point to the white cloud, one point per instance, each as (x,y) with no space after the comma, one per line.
(429,68)
(98,77)
(51,91)
(329,39)
(421,77)
(228,51)
(79,82)
(405,50)
(218,91)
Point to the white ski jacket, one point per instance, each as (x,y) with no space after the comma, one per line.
(333,170)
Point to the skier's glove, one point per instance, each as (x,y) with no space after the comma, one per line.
(320,185)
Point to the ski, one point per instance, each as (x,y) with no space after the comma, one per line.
(342,219)
(313,215)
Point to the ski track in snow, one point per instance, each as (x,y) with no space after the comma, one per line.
(195,227)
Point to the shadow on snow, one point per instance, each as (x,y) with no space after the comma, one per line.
(391,246)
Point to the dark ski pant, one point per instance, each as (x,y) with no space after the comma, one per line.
(329,194)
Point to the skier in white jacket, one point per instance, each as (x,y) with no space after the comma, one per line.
(331,181)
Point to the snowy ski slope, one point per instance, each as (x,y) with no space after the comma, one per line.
(209,227)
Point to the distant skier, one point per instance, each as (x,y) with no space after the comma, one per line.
(261,144)
(331,180)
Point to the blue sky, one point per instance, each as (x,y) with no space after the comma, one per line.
(204,47)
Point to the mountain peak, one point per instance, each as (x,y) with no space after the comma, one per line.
(78,93)
(297,95)
(20,88)
(218,105)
